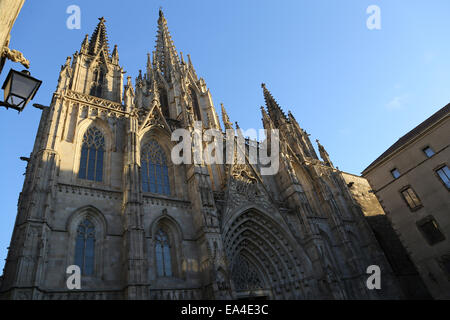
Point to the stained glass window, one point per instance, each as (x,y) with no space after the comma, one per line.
(84,247)
(92,152)
(163,260)
(155,174)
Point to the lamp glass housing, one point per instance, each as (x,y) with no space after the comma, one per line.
(19,88)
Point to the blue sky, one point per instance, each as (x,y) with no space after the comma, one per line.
(357,90)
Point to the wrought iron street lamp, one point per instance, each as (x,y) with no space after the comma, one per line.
(19,89)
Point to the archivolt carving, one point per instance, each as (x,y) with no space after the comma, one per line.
(254,233)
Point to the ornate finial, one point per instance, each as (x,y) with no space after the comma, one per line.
(102,20)
(263,85)
(161,14)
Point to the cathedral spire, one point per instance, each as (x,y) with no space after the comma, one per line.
(226,120)
(99,39)
(166,56)
(274,109)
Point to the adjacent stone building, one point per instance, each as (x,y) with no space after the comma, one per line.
(411,181)
(102,193)
(401,264)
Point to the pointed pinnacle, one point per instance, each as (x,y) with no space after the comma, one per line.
(99,38)
(86,39)
(238,130)
(182,58)
(264,113)
(275,111)
(166,56)
(226,120)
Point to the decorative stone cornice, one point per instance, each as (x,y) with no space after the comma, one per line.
(156,200)
(89,191)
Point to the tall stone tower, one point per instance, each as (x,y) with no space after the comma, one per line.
(102,193)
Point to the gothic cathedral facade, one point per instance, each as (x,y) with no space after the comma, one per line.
(102,193)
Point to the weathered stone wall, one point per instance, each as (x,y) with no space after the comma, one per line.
(9,10)
(411,283)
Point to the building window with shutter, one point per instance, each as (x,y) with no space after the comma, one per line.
(411,198)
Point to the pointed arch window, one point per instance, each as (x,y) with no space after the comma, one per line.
(163,259)
(155,173)
(92,153)
(97,83)
(195,104)
(164,100)
(84,247)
